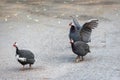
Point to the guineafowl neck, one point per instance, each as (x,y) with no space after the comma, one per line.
(17,49)
(72,45)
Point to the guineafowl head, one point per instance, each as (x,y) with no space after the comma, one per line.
(15,45)
(72,27)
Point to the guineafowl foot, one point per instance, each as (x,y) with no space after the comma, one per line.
(82,58)
(77,59)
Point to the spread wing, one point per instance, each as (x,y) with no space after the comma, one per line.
(91,24)
(87,30)
(76,23)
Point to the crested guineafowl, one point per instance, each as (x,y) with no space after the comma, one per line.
(84,32)
(24,56)
(80,48)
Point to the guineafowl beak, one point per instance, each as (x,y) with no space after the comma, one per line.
(70,24)
(15,44)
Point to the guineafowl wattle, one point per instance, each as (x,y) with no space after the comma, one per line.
(24,56)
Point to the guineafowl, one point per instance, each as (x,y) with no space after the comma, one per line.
(74,33)
(24,56)
(80,48)
(84,32)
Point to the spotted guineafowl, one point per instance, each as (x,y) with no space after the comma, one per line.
(24,56)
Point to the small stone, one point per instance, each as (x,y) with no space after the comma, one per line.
(28,16)
(6,19)
(36,20)
(59,22)
(77,15)
(44,9)
(65,2)
(16,14)
(28,26)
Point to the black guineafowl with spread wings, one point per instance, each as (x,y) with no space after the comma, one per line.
(82,33)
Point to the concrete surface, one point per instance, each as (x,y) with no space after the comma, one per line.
(42,27)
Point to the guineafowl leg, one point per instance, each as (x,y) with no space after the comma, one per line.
(23,66)
(82,58)
(29,65)
(77,59)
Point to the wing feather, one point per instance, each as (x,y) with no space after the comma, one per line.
(76,23)
(91,24)
(87,30)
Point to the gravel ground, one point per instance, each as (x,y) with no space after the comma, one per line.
(42,27)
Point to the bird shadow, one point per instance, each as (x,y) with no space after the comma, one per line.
(65,59)
(71,59)
(88,59)
(17,69)
(26,69)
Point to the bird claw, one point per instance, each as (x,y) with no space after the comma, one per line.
(77,60)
